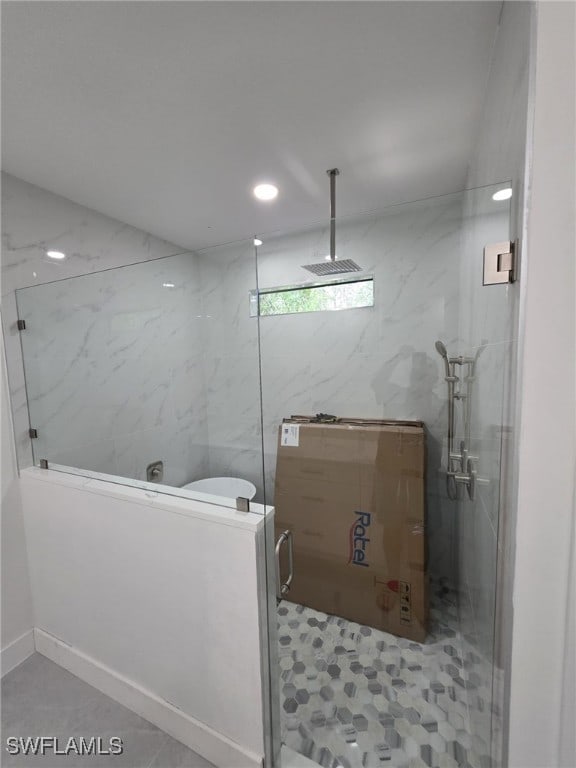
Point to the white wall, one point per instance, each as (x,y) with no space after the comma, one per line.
(567,746)
(158,595)
(542,707)
(17,614)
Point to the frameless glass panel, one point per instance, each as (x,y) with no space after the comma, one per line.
(487,329)
(149,375)
(388,610)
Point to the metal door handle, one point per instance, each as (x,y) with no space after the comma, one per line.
(282,589)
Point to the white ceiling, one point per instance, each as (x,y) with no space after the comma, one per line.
(165,114)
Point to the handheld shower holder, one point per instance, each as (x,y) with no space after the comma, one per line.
(467,478)
(461,469)
(466,474)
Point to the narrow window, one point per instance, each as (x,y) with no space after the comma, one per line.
(324,297)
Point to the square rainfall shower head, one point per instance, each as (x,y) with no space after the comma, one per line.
(333,267)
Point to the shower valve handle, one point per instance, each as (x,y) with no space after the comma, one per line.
(464,460)
(472,474)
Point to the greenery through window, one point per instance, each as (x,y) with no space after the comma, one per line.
(317,298)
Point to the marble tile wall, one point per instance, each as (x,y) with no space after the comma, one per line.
(231,363)
(377,362)
(169,373)
(115,336)
(114,369)
(35,220)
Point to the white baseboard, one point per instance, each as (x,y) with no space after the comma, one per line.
(16,652)
(213,746)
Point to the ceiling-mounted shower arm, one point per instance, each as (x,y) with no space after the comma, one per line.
(332,265)
(333,172)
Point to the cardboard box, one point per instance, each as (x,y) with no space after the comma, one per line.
(353,495)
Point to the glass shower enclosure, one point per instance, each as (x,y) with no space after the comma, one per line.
(149,374)
(356,687)
(194,367)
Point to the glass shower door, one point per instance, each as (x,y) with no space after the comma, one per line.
(360,685)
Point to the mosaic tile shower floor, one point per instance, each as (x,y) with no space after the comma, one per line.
(357,697)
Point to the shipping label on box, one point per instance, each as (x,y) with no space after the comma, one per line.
(290,435)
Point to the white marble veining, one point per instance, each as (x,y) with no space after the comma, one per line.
(35,220)
(114,339)
(114,374)
(121,369)
(375,362)
(231,363)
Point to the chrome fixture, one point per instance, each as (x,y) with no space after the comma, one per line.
(499,264)
(331,265)
(283,589)
(461,469)
(155,472)
(242,504)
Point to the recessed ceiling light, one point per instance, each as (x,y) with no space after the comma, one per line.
(503,194)
(257,241)
(168,285)
(55,255)
(265,191)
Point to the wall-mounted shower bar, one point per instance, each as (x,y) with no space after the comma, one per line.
(461,469)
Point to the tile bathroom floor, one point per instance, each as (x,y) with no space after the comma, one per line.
(39,698)
(357,697)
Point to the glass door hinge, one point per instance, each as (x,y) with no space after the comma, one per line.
(21,325)
(33,433)
(499,263)
(43,463)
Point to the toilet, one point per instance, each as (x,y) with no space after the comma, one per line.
(230,487)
